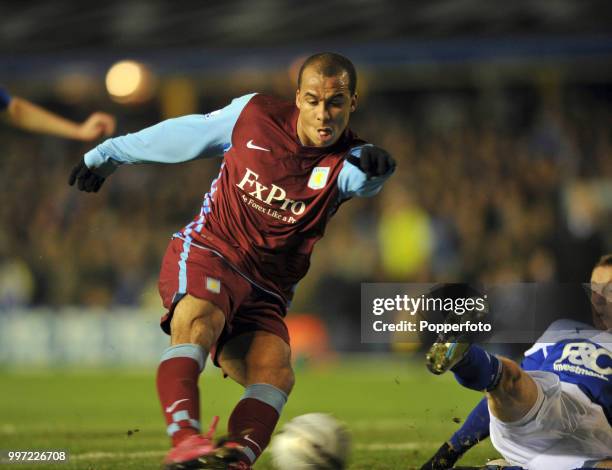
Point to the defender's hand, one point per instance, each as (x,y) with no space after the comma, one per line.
(443,459)
(95,126)
(87,180)
(373,161)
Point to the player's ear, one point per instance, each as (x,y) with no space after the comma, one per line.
(297,98)
(354,102)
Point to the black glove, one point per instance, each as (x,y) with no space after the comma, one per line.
(87,180)
(443,459)
(374,161)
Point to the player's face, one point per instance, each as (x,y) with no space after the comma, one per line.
(601,296)
(325,105)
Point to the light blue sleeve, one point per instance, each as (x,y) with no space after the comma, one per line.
(354,182)
(171,141)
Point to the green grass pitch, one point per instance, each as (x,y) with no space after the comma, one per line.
(397,413)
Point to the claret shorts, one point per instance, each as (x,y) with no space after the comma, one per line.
(197,271)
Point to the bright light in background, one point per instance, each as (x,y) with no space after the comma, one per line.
(129,82)
(124,78)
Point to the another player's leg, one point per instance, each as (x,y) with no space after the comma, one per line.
(261,362)
(511,392)
(516,394)
(196,325)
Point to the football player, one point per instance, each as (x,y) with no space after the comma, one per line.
(554,411)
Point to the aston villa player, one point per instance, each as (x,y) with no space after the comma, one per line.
(228,276)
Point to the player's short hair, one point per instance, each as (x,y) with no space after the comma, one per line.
(330,64)
(605,260)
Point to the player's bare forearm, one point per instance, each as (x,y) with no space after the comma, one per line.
(32,117)
(29,116)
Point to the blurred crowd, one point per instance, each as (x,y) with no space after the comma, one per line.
(514,188)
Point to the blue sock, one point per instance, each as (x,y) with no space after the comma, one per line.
(474,429)
(478,369)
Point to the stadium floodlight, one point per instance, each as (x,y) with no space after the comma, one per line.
(129,81)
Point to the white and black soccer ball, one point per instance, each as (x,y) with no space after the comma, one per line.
(315,441)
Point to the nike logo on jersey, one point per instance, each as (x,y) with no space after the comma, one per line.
(171,408)
(251,145)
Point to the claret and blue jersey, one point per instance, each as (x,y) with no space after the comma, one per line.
(203,136)
(273,196)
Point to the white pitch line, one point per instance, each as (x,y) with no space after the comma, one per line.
(8,429)
(376,446)
(116,455)
(373,447)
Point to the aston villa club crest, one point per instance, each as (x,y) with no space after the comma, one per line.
(318,178)
(213,285)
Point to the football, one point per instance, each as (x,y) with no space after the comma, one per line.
(315,441)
